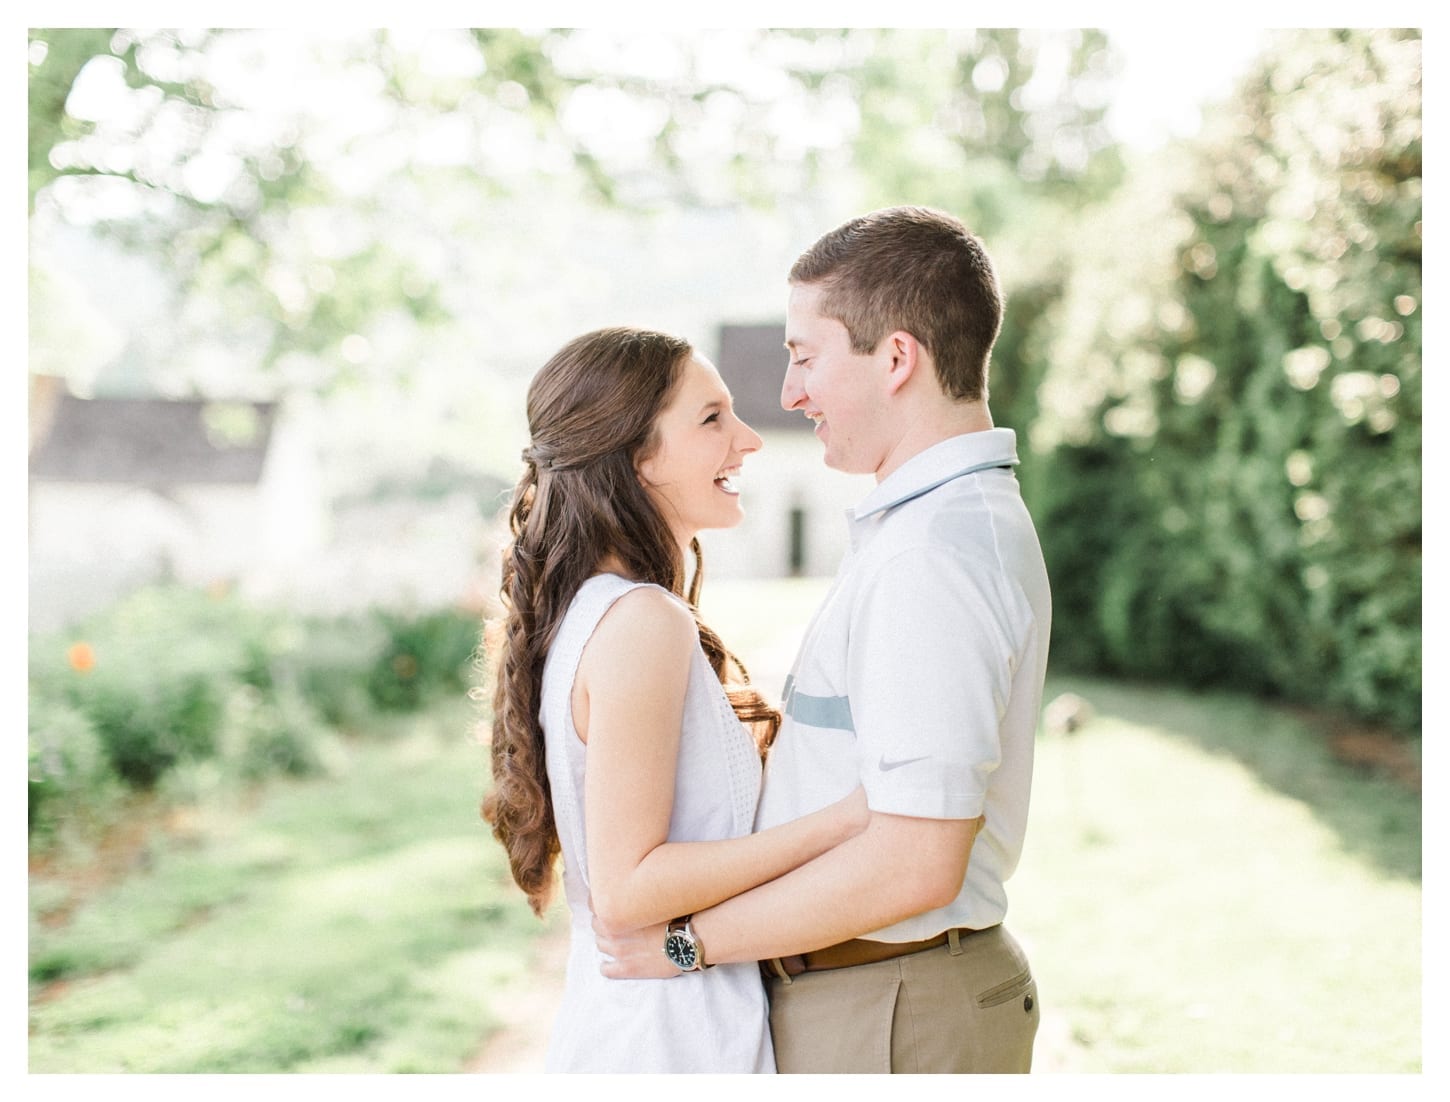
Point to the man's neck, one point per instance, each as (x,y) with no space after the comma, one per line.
(933,424)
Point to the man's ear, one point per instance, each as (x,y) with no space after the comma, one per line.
(905,352)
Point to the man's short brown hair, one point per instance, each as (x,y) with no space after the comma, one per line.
(914,269)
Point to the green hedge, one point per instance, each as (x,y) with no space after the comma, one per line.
(1227,439)
(171,676)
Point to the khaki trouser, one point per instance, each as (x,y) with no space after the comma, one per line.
(965,1008)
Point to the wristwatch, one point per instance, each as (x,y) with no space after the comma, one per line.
(683,947)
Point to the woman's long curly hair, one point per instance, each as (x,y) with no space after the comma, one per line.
(592,411)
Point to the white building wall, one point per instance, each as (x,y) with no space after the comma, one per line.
(228,528)
(407,555)
(90,544)
(292,493)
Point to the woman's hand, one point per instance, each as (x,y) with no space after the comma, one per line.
(635,954)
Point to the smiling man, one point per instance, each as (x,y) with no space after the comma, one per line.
(920,679)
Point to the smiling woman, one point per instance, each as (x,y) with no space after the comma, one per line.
(616,741)
(700,445)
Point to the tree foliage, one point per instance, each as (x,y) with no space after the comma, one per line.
(1233,403)
(292,201)
(1217,349)
(991,124)
(303,199)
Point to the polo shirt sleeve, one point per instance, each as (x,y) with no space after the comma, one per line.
(931,658)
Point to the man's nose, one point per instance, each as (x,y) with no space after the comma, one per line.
(792,394)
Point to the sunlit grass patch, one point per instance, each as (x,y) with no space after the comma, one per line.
(1192,902)
(357,924)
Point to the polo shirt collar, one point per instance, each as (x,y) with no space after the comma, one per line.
(938,465)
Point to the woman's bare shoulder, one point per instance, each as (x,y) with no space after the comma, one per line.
(648,608)
(643,643)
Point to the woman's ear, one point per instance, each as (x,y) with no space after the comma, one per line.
(643,470)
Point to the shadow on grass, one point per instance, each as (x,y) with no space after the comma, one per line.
(1376,816)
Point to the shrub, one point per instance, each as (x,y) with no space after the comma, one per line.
(152,674)
(423,655)
(330,667)
(150,710)
(171,677)
(1228,469)
(263,735)
(70,775)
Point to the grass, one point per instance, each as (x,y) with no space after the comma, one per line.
(356,924)
(1204,889)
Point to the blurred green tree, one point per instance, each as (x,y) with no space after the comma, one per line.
(1236,382)
(990,123)
(301,190)
(245,196)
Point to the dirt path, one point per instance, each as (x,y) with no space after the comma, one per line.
(528,1008)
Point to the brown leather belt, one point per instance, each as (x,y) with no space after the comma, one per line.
(847,954)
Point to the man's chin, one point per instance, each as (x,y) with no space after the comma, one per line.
(845,464)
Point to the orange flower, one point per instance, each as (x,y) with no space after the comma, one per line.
(81,656)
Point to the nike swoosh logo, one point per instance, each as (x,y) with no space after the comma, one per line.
(886,766)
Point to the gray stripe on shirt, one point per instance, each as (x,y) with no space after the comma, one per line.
(818,711)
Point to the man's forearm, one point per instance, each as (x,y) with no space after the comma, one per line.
(896,868)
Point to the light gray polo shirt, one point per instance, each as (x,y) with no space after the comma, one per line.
(920,676)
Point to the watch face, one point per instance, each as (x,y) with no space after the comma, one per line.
(681,951)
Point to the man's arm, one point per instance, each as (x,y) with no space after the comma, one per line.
(634,672)
(897,867)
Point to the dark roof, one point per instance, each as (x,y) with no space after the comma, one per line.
(752,363)
(150,441)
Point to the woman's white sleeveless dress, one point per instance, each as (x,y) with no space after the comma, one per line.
(714,1020)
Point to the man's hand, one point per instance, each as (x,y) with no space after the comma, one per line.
(636,954)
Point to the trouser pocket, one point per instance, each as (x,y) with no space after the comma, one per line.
(1018,986)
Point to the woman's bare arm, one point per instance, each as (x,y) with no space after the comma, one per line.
(628,707)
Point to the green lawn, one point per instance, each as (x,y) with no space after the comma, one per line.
(355,924)
(1203,889)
